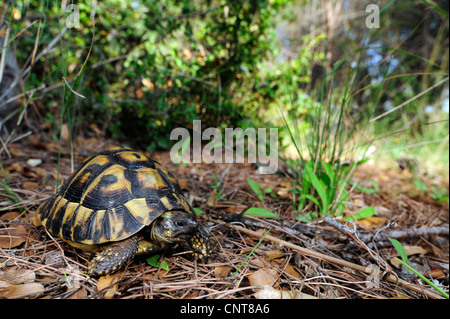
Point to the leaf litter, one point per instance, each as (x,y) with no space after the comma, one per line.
(294,260)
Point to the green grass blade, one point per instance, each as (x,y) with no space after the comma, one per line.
(257,211)
(443,293)
(251,253)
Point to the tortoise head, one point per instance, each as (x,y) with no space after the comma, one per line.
(179,226)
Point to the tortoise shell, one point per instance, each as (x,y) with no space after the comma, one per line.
(111,196)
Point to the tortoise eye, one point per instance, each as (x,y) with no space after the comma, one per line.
(180,223)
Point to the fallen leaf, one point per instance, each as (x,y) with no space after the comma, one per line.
(410,250)
(373,221)
(10,215)
(269,292)
(435,274)
(263,277)
(13,236)
(23,290)
(109,284)
(30,186)
(274,254)
(222,271)
(14,167)
(19,276)
(79,294)
(414,250)
(5,287)
(183,183)
(291,271)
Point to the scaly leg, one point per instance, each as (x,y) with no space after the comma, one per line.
(113,256)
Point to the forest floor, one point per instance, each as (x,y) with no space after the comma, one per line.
(253,256)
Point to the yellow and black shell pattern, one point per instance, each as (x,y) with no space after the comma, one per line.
(110,197)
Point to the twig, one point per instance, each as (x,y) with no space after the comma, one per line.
(408,233)
(72,90)
(353,233)
(367,270)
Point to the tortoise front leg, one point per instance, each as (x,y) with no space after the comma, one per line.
(147,247)
(113,256)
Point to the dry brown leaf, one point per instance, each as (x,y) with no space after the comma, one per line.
(30,186)
(373,221)
(269,292)
(79,294)
(10,216)
(5,288)
(414,250)
(435,274)
(291,271)
(14,167)
(18,276)
(263,277)
(274,254)
(13,236)
(410,250)
(23,290)
(183,183)
(222,271)
(109,284)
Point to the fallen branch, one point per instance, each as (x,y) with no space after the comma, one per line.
(402,233)
(407,233)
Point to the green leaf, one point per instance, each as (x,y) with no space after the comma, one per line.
(256,189)
(320,187)
(367,190)
(155,262)
(314,200)
(198,211)
(399,248)
(307,218)
(257,211)
(329,171)
(366,212)
(420,185)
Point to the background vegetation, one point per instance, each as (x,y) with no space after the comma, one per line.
(362,117)
(334,87)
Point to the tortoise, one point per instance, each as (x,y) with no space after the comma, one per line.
(120,203)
